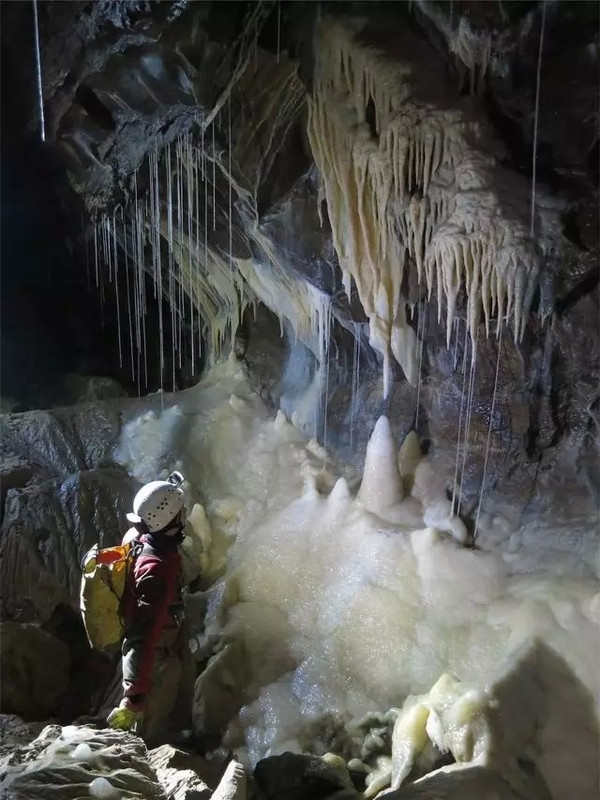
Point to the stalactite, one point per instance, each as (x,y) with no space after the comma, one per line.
(116,280)
(460,419)
(422,327)
(229,181)
(194,277)
(417,189)
(96,265)
(467,426)
(214,179)
(128,290)
(38,71)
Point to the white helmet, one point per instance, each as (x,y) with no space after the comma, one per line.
(158,503)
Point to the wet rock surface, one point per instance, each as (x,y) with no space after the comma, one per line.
(62,441)
(62,493)
(47,529)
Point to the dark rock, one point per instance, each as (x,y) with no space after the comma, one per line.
(90,672)
(47,529)
(62,441)
(34,670)
(291,776)
(14,474)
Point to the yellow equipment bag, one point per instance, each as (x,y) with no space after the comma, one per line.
(104,573)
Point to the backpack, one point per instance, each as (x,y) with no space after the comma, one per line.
(103,579)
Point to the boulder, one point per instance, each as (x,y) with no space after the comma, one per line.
(35,670)
(182,775)
(292,776)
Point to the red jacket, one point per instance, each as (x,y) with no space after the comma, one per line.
(151,605)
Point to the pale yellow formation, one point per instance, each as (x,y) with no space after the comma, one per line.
(215,288)
(306,308)
(408,181)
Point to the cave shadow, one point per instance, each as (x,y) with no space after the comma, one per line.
(538,699)
(90,672)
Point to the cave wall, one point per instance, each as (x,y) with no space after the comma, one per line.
(131,79)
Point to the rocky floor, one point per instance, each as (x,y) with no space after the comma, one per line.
(73,762)
(78,762)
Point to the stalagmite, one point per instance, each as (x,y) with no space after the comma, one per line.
(418,187)
(381,485)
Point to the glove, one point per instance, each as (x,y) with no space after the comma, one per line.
(124,718)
